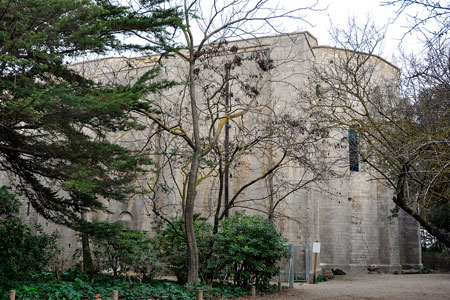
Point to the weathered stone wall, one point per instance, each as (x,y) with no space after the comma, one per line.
(348,215)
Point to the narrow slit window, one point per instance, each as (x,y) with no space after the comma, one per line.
(353,150)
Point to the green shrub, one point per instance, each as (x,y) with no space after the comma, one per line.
(223,290)
(250,247)
(246,249)
(119,249)
(78,288)
(9,204)
(21,252)
(172,246)
(337,272)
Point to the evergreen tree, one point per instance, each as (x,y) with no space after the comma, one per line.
(53,122)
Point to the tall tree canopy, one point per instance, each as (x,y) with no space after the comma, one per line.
(53,122)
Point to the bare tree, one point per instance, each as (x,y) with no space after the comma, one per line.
(193,119)
(431,17)
(403,144)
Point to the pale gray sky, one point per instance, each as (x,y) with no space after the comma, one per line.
(340,10)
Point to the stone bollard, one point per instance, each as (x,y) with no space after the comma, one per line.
(115,295)
(253,291)
(12,295)
(200,295)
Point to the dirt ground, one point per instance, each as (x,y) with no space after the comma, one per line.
(372,286)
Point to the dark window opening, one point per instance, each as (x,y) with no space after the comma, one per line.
(353,150)
(28,209)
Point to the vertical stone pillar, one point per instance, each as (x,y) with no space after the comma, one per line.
(409,240)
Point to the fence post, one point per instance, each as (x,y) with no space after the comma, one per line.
(115,295)
(280,288)
(291,266)
(200,295)
(12,295)
(253,291)
(307,262)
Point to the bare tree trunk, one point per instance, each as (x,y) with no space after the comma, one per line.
(441,235)
(400,200)
(271,209)
(219,200)
(192,251)
(227,140)
(271,196)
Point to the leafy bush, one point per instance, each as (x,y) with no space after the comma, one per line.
(22,252)
(119,249)
(246,249)
(9,204)
(223,290)
(338,272)
(80,288)
(250,247)
(172,246)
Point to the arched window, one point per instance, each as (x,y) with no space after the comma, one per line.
(126,219)
(125,216)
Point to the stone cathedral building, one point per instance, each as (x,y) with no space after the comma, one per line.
(268,77)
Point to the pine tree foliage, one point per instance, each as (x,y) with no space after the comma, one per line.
(53,122)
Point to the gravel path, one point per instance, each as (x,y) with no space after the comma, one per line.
(372,286)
